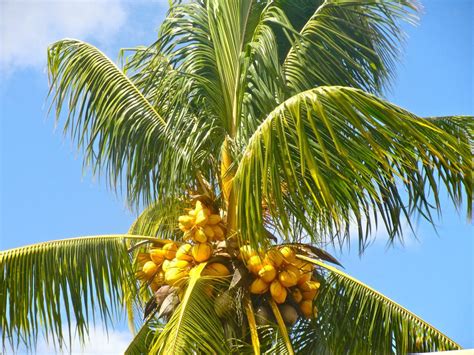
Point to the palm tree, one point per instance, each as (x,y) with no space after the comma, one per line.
(264,114)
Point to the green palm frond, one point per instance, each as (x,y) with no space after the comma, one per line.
(332,156)
(119,129)
(282,328)
(141,342)
(355,319)
(152,73)
(52,286)
(194,325)
(348,43)
(263,79)
(184,38)
(159,219)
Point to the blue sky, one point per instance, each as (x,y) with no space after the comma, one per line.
(45,195)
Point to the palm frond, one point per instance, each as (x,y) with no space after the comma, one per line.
(194,324)
(119,129)
(348,43)
(252,325)
(141,342)
(354,319)
(263,80)
(281,327)
(159,219)
(48,287)
(332,156)
(185,40)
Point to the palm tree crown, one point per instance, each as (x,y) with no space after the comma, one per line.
(266,113)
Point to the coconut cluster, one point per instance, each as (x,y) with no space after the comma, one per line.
(201,225)
(287,279)
(276,273)
(172,262)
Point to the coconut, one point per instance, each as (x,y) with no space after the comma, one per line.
(201,252)
(170,249)
(307,308)
(150,268)
(263,316)
(254,264)
(289,314)
(267,273)
(278,292)
(184,252)
(216,269)
(223,304)
(200,236)
(259,286)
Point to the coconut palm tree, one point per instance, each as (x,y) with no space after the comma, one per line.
(258,119)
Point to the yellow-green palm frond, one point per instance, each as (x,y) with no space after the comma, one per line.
(353,318)
(121,131)
(194,325)
(159,219)
(332,156)
(66,284)
(348,43)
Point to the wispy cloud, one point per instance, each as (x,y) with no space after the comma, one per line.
(115,342)
(27,27)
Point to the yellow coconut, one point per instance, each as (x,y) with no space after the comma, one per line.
(259,286)
(267,273)
(209,231)
(166,265)
(306,307)
(200,236)
(214,219)
(186,221)
(174,274)
(288,254)
(157,256)
(219,233)
(180,264)
(216,269)
(309,286)
(304,266)
(293,269)
(170,250)
(278,292)
(199,206)
(287,278)
(150,268)
(254,264)
(201,218)
(184,252)
(305,276)
(201,252)
(275,257)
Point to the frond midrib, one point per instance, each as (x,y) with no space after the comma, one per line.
(391,303)
(74,239)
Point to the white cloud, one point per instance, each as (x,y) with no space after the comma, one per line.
(27,27)
(99,343)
